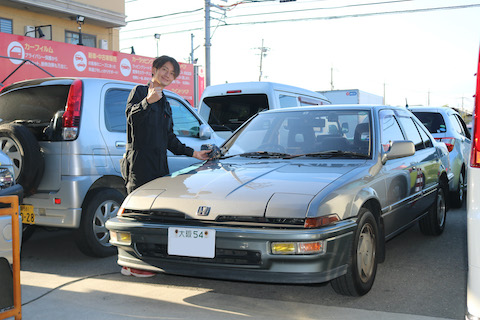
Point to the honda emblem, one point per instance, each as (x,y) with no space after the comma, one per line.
(203,211)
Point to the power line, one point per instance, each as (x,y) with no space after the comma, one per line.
(358,15)
(315,18)
(166,15)
(326,8)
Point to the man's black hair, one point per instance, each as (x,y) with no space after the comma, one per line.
(160,61)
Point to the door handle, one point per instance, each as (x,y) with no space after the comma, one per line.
(120,144)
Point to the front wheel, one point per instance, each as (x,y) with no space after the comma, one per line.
(363,262)
(433,223)
(92,237)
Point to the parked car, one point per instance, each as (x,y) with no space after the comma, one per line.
(66,137)
(446,125)
(299,195)
(8,187)
(473,214)
(226,106)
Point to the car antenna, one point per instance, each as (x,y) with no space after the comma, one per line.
(406,103)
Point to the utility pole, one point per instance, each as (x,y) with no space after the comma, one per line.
(191,46)
(208,4)
(207,42)
(384,93)
(263,52)
(331,78)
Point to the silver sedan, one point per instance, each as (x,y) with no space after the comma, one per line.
(298,195)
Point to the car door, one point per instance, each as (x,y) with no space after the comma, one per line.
(399,176)
(113,123)
(426,163)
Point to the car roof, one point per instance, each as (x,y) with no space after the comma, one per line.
(338,107)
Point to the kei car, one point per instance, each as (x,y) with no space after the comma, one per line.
(446,125)
(297,195)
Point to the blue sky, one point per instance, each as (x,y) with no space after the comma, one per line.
(423,57)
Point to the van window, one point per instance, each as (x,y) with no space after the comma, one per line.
(227,113)
(287,101)
(35,103)
(115,104)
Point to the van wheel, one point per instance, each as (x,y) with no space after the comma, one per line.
(362,266)
(23,149)
(92,237)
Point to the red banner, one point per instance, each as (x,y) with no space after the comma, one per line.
(67,60)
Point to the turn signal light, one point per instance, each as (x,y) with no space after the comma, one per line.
(311,247)
(121,237)
(320,221)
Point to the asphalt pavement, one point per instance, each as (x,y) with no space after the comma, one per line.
(58,282)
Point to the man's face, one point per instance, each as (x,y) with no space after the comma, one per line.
(165,74)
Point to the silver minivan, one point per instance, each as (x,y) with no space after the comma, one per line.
(446,125)
(66,137)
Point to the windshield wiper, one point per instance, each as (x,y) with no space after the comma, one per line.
(265,154)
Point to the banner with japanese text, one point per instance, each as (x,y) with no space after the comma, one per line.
(67,60)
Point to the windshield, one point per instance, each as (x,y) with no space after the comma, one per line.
(304,133)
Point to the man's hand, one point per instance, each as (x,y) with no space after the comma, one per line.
(154,93)
(201,155)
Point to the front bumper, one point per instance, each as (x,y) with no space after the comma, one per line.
(240,253)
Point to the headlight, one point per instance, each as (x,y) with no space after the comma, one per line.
(6,178)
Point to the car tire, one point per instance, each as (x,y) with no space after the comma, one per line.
(27,232)
(459,195)
(362,267)
(433,223)
(21,146)
(92,237)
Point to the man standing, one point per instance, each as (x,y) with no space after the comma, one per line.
(150,128)
(150,134)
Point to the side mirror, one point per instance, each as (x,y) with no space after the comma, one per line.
(345,128)
(205,132)
(399,149)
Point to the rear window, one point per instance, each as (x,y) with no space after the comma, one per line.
(433,121)
(37,104)
(227,113)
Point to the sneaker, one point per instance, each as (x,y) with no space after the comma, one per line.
(127,271)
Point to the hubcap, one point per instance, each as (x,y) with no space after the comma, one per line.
(366,252)
(461,187)
(108,209)
(441,209)
(11,149)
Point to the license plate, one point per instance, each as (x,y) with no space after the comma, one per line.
(191,242)
(28,217)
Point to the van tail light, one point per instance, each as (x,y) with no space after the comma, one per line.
(450,142)
(475,154)
(71,117)
(234,91)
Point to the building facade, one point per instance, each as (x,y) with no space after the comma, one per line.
(90,23)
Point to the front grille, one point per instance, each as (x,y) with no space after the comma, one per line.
(175,217)
(222,256)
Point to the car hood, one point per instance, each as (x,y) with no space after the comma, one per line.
(243,188)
